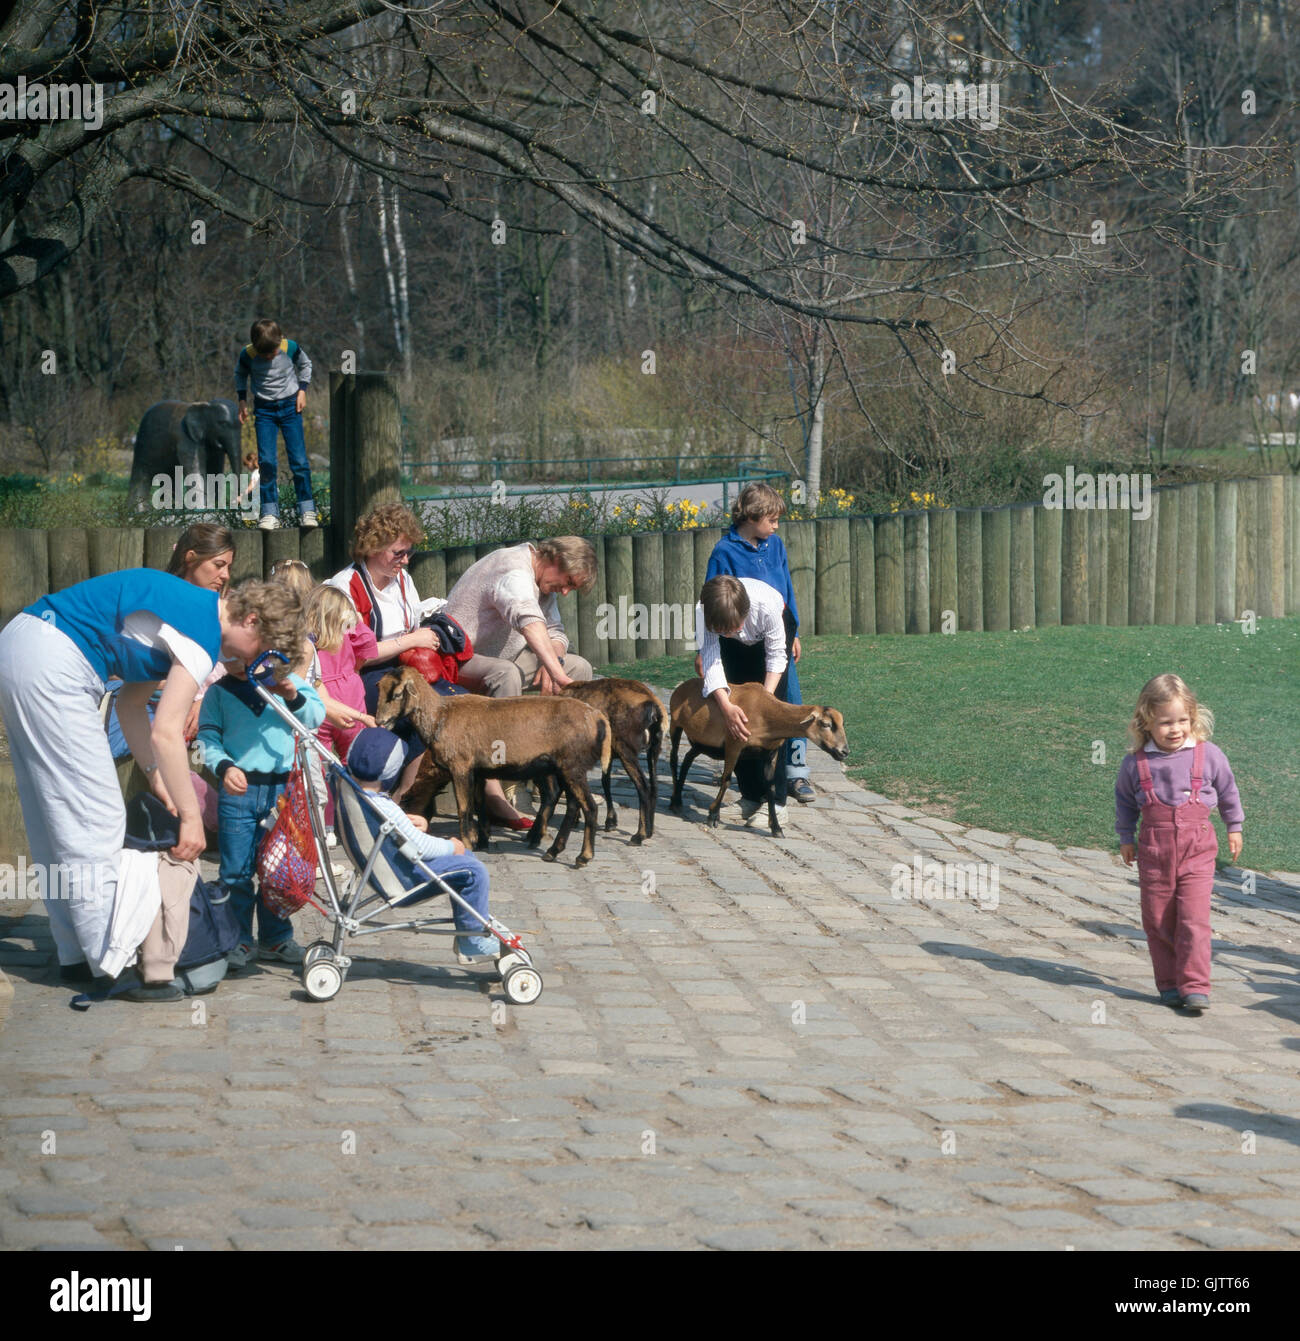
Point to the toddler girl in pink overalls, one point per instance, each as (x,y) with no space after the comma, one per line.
(1175,778)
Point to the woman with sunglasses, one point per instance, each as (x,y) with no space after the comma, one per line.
(379,585)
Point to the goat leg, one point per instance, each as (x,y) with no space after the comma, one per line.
(548,793)
(769,780)
(652,778)
(481,808)
(728,766)
(571,806)
(675,802)
(611,815)
(462,787)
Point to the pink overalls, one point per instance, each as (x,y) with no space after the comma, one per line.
(1175,860)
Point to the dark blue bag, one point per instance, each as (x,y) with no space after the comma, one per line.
(214,933)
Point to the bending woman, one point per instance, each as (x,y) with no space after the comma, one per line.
(140,626)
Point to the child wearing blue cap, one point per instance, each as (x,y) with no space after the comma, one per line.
(375,760)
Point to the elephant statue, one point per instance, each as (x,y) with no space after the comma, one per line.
(201,437)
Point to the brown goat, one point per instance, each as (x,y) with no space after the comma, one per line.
(638,718)
(476,738)
(771,724)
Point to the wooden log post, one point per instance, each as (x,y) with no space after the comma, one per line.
(970,570)
(595,647)
(343,486)
(943,569)
(568,609)
(648,590)
(833,585)
(801,546)
(1247,548)
(377,446)
(1272,506)
(1074,567)
(112,548)
(916,572)
(890,611)
(1205,575)
(248,562)
(481,551)
(278,546)
(619,592)
(428,571)
(70,557)
(1188,524)
(159,541)
(1047,567)
(862,554)
(1142,537)
(1166,607)
(1291,514)
(1098,591)
(315,550)
(1022,566)
(995,553)
(1225,551)
(703,538)
(459,560)
(25,564)
(678,592)
(1119,522)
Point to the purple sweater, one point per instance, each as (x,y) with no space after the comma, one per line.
(1171,778)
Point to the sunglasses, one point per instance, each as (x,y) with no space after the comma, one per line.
(402,553)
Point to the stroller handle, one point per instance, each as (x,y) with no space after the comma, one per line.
(261,670)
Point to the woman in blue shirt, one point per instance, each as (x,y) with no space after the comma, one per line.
(140,626)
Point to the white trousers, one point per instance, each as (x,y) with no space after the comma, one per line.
(67,784)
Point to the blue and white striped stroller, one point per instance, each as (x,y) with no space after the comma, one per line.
(389,875)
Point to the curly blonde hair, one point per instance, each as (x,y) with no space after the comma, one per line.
(279,616)
(1158,691)
(381,526)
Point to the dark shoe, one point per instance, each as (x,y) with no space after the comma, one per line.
(802,790)
(1196,1003)
(154,991)
(79,972)
(1173,997)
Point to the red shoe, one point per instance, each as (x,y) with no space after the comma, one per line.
(521,824)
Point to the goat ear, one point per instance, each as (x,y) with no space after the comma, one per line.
(810,719)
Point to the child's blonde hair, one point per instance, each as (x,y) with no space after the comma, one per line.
(294,574)
(1155,693)
(329,616)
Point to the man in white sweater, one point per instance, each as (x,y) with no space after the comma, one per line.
(506,602)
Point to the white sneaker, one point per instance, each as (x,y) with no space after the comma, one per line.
(309,521)
(751,810)
(269,522)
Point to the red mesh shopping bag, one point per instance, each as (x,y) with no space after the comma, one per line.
(286,861)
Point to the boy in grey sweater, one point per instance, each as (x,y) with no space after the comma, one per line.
(280,372)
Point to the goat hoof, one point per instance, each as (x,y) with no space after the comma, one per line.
(711,821)
(637,839)
(777,831)
(581,861)
(675,807)
(611,823)
(548,856)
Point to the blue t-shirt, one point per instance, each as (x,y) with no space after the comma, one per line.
(132,625)
(766,560)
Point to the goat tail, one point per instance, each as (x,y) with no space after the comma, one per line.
(604,738)
(654,723)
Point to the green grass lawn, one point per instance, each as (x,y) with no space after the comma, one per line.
(997,729)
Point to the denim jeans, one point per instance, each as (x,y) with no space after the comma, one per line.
(268,418)
(745,663)
(238,837)
(467,875)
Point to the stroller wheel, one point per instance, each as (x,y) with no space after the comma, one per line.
(315,951)
(322,979)
(522,984)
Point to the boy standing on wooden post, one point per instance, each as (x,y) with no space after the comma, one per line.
(280,373)
(752,548)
